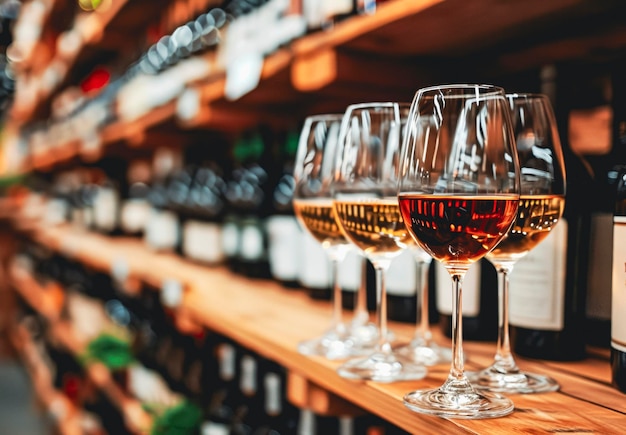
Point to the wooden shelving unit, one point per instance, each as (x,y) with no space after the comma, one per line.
(256,314)
(67,414)
(389,55)
(48,302)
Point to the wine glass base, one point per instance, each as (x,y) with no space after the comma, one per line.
(450,404)
(382,367)
(426,354)
(366,335)
(332,345)
(513,382)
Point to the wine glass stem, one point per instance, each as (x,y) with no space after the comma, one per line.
(457,367)
(504,357)
(360,305)
(337,320)
(423,321)
(381,306)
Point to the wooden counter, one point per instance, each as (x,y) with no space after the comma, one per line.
(271,320)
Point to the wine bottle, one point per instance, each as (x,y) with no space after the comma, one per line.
(604,129)
(106,200)
(279,417)
(135,207)
(162,231)
(202,227)
(480,301)
(284,233)
(548,286)
(618,302)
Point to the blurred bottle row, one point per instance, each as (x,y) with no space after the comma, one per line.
(190,383)
(240,33)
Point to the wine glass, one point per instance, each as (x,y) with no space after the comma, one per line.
(313,172)
(366,208)
(542,200)
(458,195)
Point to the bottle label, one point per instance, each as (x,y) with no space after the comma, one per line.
(162,229)
(471,290)
(134,215)
(599,283)
(202,241)
(401,279)
(315,268)
(273,394)
(351,271)
(618,303)
(247,381)
(230,238)
(252,246)
(284,239)
(226,357)
(212,428)
(105,208)
(537,284)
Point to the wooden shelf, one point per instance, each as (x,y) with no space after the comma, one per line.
(270,320)
(67,415)
(406,44)
(44,302)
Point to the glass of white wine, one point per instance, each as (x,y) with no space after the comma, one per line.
(542,201)
(313,172)
(364,190)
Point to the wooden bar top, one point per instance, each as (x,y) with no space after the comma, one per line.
(271,320)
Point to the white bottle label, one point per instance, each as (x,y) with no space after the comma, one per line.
(618,303)
(230,239)
(251,242)
(105,208)
(599,282)
(471,290)
(134,215)
(247,380)
(350,271)
(537,284)
(315,268)
(273,394)
(162,229)
(202,241)
(401,276)
(284,239)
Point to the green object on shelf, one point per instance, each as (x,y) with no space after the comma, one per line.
(112,351)
(181,419)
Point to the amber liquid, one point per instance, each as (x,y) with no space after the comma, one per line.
(536,216)
(458,229)
(375,226)
(318,217)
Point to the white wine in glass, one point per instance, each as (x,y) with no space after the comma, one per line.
(364,190)
(313,171)
(542,201)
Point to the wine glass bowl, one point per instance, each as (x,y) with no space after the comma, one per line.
(542,201)
(458,194)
